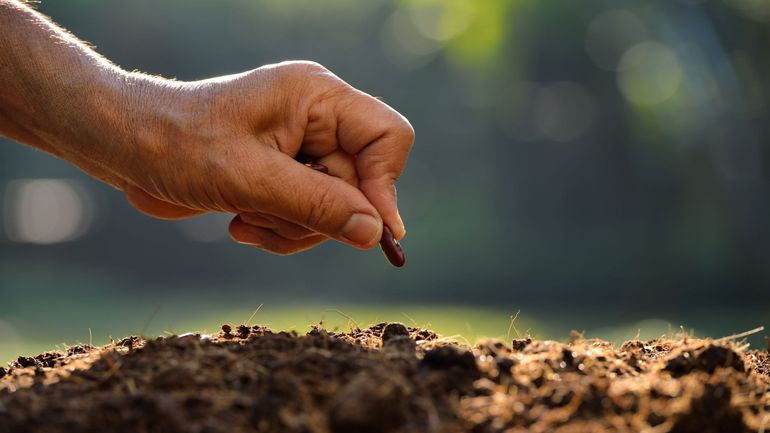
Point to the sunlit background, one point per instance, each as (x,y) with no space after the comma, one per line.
(599,165)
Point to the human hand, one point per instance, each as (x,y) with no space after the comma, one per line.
(229,144)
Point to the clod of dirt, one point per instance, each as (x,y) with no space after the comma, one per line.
(521,343)
(388,378)
(79,349)
(128,342)
(703,357)
(392,330)
(25,361)
(47,359)
(450,357)
(243,331)
(424,335)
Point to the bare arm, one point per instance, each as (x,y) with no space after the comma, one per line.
(58,95)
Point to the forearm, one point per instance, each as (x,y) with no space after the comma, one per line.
(60,96)
(53,85)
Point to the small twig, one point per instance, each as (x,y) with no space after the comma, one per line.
(740,335)
(90,338)
(456,337)
(149,320)
(334,310)
(414,322)
(742,348)
(253,314)
(513,326)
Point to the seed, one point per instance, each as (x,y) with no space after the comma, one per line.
(318,167)
(391,248)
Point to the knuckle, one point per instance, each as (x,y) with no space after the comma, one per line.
(311,66)
(406,133)
(383,167)
(408,129)
(300,68)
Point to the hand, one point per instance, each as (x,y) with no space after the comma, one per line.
(226,144)
(229,144)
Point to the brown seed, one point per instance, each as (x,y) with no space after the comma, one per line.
(391,248)
(318,167)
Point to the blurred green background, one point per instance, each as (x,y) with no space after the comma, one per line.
(599,165)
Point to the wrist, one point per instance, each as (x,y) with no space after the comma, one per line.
(150,119)
(83,117)
(149,113)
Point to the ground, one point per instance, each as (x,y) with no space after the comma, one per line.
(387,378)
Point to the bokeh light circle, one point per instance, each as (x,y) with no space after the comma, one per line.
(649,73)
(46,211)
(440,20)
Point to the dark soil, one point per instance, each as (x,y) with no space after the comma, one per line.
(387,378)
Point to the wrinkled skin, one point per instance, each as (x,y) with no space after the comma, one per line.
(226,144)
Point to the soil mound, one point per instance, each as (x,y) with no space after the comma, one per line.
(387,378)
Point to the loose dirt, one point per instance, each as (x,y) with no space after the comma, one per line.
(387,378)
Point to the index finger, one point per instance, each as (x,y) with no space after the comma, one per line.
(381,139)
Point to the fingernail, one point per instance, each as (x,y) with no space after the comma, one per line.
(361,229)
(402,227)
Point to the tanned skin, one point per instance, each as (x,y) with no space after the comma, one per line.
(227,144)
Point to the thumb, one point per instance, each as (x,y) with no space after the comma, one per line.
(322,203)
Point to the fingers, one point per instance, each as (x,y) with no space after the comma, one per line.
(269,240)
(381,139)
(264,231)
(155,207)
(320,203)
(281,227)
(342,165)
